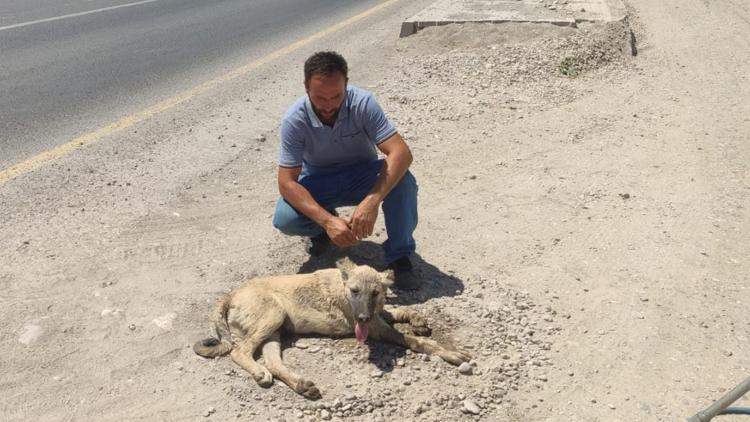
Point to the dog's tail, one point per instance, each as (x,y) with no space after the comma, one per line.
(213,347)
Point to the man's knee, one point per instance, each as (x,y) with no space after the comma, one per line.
(285,218)
(288,221)
(281,224)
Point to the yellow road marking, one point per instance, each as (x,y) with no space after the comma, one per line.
(40,159)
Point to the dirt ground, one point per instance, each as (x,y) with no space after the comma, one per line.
(583,234)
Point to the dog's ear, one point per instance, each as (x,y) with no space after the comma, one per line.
(387,278)
(346,266)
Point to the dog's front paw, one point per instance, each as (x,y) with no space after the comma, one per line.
(454,357)
(421,330)
(308,390)
(265,379)
(419,326)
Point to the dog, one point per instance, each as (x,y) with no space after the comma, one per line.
(335,302)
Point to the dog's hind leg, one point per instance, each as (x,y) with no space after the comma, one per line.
(406,315)
(243,356)
(258,332)
(275,364)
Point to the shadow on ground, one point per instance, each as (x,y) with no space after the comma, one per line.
(384,356)
(435,283)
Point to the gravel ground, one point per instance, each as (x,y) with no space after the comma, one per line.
(582,234)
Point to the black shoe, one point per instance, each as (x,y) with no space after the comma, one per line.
(319,244)
(406,279)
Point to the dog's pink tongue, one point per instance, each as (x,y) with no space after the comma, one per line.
(360,332)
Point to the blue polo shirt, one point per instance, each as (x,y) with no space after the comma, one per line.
(360,126)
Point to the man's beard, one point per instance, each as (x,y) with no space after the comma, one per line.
(327,117)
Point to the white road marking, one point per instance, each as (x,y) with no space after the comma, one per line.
(72,15)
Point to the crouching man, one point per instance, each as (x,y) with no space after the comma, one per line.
(328,158)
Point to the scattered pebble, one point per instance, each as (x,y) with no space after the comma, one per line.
(465,368)
(470,407)
(165,321)
(30,334)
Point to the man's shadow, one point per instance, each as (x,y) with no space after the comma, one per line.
(434,284)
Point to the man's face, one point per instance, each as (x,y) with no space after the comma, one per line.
(326,95)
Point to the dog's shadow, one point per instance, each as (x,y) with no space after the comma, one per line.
(384,356)
(434,284)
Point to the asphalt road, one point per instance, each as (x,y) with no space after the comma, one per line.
(67,68)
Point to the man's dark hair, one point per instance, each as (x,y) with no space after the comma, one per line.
(325,63)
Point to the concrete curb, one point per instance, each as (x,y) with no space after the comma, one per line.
(412,27)
(444,12)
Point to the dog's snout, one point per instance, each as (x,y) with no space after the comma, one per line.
(363,318)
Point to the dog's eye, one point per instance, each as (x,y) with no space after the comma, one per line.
(354,291)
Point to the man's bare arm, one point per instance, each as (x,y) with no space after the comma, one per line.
(299,197)
(398,158)
(397,162)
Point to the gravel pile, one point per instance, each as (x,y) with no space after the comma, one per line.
(509,339)
(533,71)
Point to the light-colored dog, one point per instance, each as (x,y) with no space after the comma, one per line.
(334,302)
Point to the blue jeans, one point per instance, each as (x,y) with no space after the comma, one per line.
(348,187)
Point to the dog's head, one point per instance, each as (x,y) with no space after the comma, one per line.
(365,290)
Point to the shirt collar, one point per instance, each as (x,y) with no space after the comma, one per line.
(311,113)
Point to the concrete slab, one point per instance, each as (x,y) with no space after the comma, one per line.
(596,10)
(556,12)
